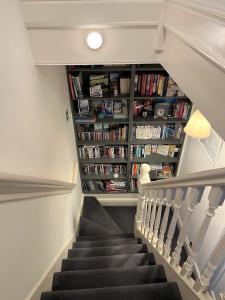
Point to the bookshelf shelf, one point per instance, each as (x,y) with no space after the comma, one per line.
(157,142)
(99,143)
(114,123)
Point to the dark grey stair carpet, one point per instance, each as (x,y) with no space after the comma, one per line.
(123,216)
(88,227)
(156,291)
(108,263)
(104,237)
(85,244)
(106,251)
(102,262)
(93,211)
(91,279)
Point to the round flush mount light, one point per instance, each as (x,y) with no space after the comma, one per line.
(94,40)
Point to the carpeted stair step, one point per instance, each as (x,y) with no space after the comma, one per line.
(104,237)
(121,241)
(91,279)
(102,262)
(155,291)
(107,251)
(94,211)
(88,227)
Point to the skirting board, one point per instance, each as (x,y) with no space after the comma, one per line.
(45,282)
(117,200)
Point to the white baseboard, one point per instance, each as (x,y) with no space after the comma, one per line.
(45,282)
(118,199)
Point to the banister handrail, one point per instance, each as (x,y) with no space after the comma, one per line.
(214,177)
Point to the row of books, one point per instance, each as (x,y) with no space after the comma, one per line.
(150,84)
(159,169)
(146,132)
(76,83)
(104,169)
(147,84)
(102,132)
(104,186)
(86,152)
(138,151)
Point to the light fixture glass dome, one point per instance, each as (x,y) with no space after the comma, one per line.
(94,40)
(198,126)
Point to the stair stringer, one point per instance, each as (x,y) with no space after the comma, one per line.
(172,273)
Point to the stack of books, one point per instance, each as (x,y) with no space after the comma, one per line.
(99,85)
(138,151)
(91,185)
(146,132)
(133,185)
(104,186)
(86,152)
(115,186)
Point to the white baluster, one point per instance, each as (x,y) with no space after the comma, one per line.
(169,196)
(153,213)
(220,296)
(148,213)
(144,212)
(179,197)
(216,198)
(202,284)
(195,197)
(142,179)
(158,217)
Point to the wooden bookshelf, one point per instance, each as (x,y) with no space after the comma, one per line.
(131,122)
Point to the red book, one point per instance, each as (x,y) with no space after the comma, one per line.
(151,85)
(148,85)
(143,84)
(71,86)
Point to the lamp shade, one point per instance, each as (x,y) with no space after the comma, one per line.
(198,126)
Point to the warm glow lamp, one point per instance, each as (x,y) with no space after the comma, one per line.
(94,40)
(198,126)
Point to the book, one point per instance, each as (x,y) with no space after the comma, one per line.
(173,89)
(96,91)
(107,107)
(124,86)
(114,84)
(161,110)
(83,106)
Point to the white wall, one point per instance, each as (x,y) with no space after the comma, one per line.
(36,140)
(193,160)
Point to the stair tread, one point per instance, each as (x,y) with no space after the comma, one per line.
(104,237)
(88,227)
(100,262)
(154,291)
(86,279)
(94,211)
(107,250)
(85,244)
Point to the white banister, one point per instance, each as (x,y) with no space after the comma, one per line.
(202,283)
(195,197)
(144,212)
(179,197)
(158,216)
(216,198)
(169,197)
(153,213)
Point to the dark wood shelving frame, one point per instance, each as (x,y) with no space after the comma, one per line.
(153,158)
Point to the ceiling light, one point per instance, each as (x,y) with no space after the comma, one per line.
(198,126)
(94,40)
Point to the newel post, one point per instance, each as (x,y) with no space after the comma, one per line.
(142,179)
(195,197)
(202,283)
(216,198)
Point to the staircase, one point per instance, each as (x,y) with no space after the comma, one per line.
(108,264)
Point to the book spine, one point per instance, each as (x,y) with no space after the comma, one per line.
(143,84)
(148,85)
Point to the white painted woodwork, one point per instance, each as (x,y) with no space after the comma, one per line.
(144,213)
(67,14)
(158,216)
(195,42)
(179,197)
(169,196)
(148,217)
(216,198)
(195,197)
(202,283)
(153,213)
